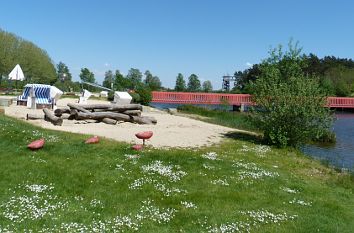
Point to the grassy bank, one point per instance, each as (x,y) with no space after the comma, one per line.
(230,119)
(237,186)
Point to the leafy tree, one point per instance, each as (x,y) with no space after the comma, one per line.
(120,83)
(207,87)
(193,83)
(35,62)
(134,78)
(63,73)
(142,95)
(153,82)
(290,105)
(180,83)
(108,79)
(87,76)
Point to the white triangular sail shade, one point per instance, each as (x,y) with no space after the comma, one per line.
(16,73)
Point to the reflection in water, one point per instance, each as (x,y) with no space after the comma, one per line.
(340,154)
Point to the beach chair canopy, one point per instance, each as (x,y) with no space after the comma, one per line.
(44,93)
(55,93)
(17,74)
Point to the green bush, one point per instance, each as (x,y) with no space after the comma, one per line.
(110,96)
(290,106)
(136,97)
(142,95)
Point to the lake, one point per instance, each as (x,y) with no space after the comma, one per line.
(340,154)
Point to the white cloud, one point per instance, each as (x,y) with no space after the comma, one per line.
(107,64)
(249,64)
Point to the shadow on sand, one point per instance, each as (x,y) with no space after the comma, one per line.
(245,136)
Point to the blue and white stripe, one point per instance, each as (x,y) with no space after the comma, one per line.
(41,91)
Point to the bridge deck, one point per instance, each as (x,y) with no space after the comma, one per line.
(232,99)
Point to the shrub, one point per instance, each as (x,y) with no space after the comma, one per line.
(144,95)
(290,106)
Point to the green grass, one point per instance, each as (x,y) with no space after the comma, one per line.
(236,120)
(69,186)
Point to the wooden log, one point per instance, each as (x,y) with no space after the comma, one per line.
(60,111)
(109,121)
(33,117)
(49,116)
(65,116)
(115,116)
(78,107)
(127,112)
(73,114)
(132,112)
(111,107)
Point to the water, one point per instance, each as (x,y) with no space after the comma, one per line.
(209,106)
(340,154)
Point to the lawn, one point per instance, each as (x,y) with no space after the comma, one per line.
(238,186)
(237,120)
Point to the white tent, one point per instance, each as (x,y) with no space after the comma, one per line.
(104,93)
(55,93)
(122,97)
(16,73)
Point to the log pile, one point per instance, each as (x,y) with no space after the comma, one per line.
(106,113)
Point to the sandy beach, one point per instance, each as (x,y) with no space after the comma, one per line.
(170,130)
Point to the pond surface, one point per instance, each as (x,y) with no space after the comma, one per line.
(340,154)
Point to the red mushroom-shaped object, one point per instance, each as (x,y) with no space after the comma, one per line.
(144,135)
(35,145)
(93,140)
(137,147)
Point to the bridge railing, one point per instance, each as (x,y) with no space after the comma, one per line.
(340,102)
(232,99)
(200,98)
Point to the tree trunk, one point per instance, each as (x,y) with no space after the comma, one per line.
(78,107)
(33,117)
(115,116)
(109,121)
(60,111)
(111,107)
(132,112)
(49,116)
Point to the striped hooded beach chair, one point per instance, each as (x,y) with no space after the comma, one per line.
(42,94)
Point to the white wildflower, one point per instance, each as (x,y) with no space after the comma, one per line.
(289,190)
(300,202)
(220,182)
(164,170)
(210,155)
(188,205)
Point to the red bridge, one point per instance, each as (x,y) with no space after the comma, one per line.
(231,99)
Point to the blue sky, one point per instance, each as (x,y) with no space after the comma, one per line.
(210,38)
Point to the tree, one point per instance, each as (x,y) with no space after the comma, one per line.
(207,87)
(180,83)
(63,73)
(134,78)
(193,83)
(87,76)
(34,61)
(108,79)
(120,83)
(290,105)
(153,82)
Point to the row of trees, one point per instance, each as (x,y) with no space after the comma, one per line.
(336,75)
(35,62)
(193,84)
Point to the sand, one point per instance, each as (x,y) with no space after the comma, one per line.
(170,130)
